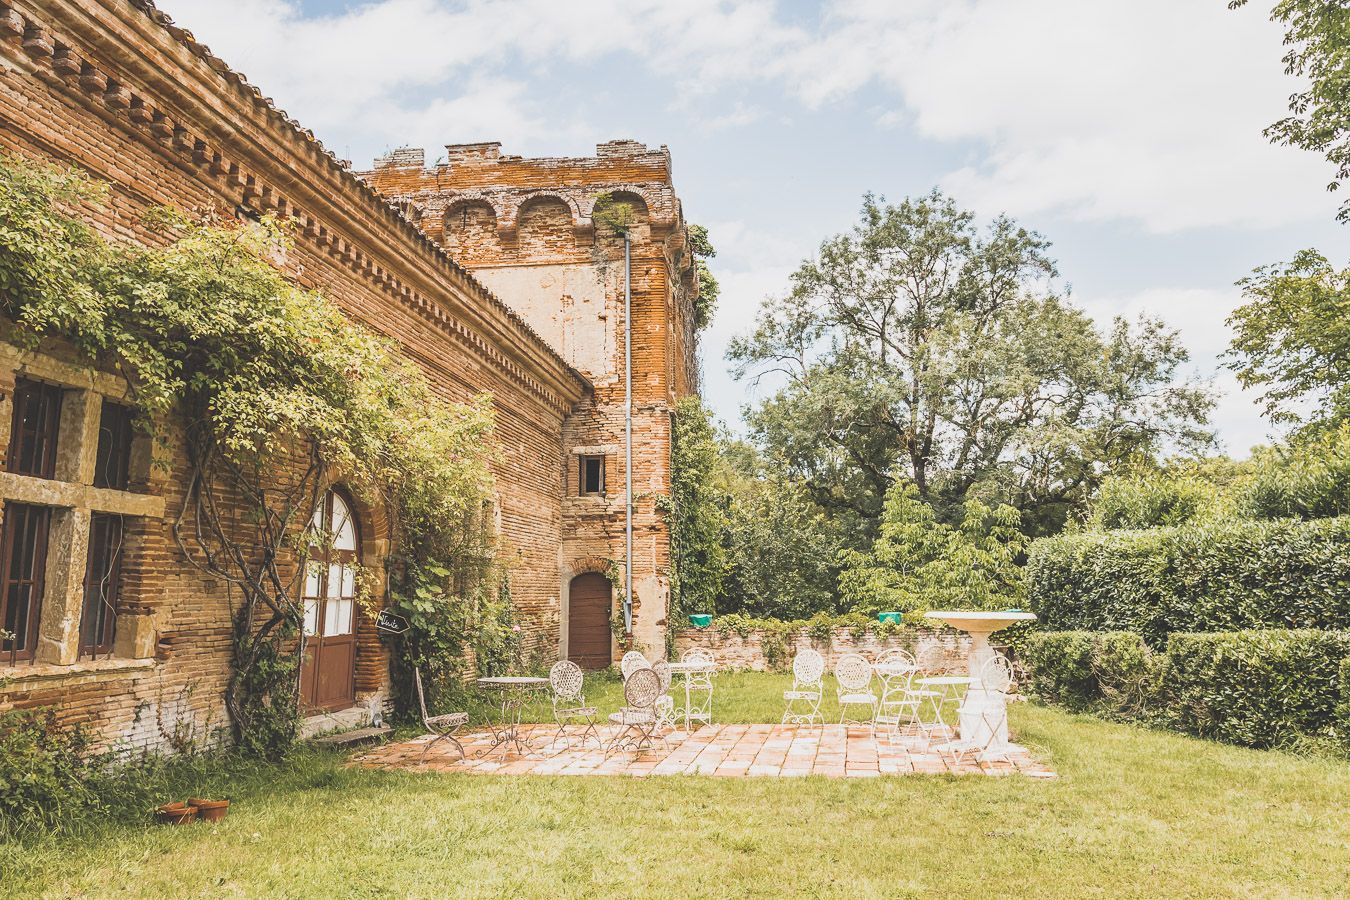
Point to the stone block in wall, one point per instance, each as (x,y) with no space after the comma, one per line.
(136,637)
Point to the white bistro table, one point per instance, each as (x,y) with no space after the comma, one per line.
(689,672)
(983,714)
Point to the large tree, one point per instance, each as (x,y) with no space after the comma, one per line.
(1292,340)
(921,347)
(1317,33)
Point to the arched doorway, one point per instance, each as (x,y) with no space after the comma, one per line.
(328,674)
(588,637)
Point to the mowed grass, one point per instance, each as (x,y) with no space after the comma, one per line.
(1134,813)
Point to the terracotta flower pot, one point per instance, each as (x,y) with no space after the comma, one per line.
(210,810)
(176,813)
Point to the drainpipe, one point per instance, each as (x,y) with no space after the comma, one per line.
(628,431)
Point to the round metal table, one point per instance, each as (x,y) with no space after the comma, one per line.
(514,690)
(689,671)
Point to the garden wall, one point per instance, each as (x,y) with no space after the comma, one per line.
(762,651)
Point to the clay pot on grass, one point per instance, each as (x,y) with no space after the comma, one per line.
(210,810)
(176,813)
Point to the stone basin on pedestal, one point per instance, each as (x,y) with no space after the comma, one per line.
(980,625)
(983,718)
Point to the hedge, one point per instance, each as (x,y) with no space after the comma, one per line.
(1223,576)
(1258,688)
(1087,671)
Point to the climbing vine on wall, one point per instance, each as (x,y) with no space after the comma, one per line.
(695,514)
(276,394)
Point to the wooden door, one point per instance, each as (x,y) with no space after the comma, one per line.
(328,673)
(588,635)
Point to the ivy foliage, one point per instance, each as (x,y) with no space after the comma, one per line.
(708,288)
(277,394)
(918,563)
(696,513)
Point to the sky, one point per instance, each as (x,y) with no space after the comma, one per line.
(1128,134)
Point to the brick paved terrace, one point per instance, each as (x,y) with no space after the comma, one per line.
(734,751)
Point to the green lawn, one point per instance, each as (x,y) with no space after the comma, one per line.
(1134,813)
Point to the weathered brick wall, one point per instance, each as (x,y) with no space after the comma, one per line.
(733,651)
(530,228)
(110,86)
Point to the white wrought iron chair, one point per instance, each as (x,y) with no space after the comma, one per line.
(443,727)
(631,662)
(930,714)
(565,680)
(854,674)
(698,686)
(637,718)
(808,667)
(665,704)
(932,659)
(899,703)
(991,693)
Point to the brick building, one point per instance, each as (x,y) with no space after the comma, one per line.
(536,233)
(487,270)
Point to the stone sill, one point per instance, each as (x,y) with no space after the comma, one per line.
(18,677)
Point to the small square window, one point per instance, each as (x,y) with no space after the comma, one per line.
(592,475)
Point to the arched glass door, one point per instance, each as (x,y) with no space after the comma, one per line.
(328,674)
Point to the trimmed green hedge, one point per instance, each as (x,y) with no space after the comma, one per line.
(1089,671)
(1258,688)
(1224,576)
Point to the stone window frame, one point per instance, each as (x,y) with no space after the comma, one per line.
(73,500)
(582,460)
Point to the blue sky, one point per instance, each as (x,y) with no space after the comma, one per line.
(1127,134)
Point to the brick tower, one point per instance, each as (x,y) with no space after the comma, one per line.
(541,235)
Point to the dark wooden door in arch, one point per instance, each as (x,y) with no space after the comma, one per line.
(588,608)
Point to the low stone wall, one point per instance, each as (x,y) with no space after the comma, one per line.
(735,652)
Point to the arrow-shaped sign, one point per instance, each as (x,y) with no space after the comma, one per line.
(391,623)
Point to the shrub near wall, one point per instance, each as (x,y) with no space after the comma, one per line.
(1259,688)
(1214,577)
(1085,671)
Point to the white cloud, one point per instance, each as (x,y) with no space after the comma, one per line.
(1149,111)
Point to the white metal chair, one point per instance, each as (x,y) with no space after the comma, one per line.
(444,726)
(637,718)
(665,704)
(899,703)
(698,686)
(854,674)
(807,668)
(631,662)
(565,680)
(932,659)
(991,693)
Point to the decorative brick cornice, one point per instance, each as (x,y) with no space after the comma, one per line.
(213,120)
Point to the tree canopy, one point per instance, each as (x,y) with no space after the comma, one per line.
(1317,35)
(1292,340)
(919,347)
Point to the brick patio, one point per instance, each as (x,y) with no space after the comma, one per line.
(835,751)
